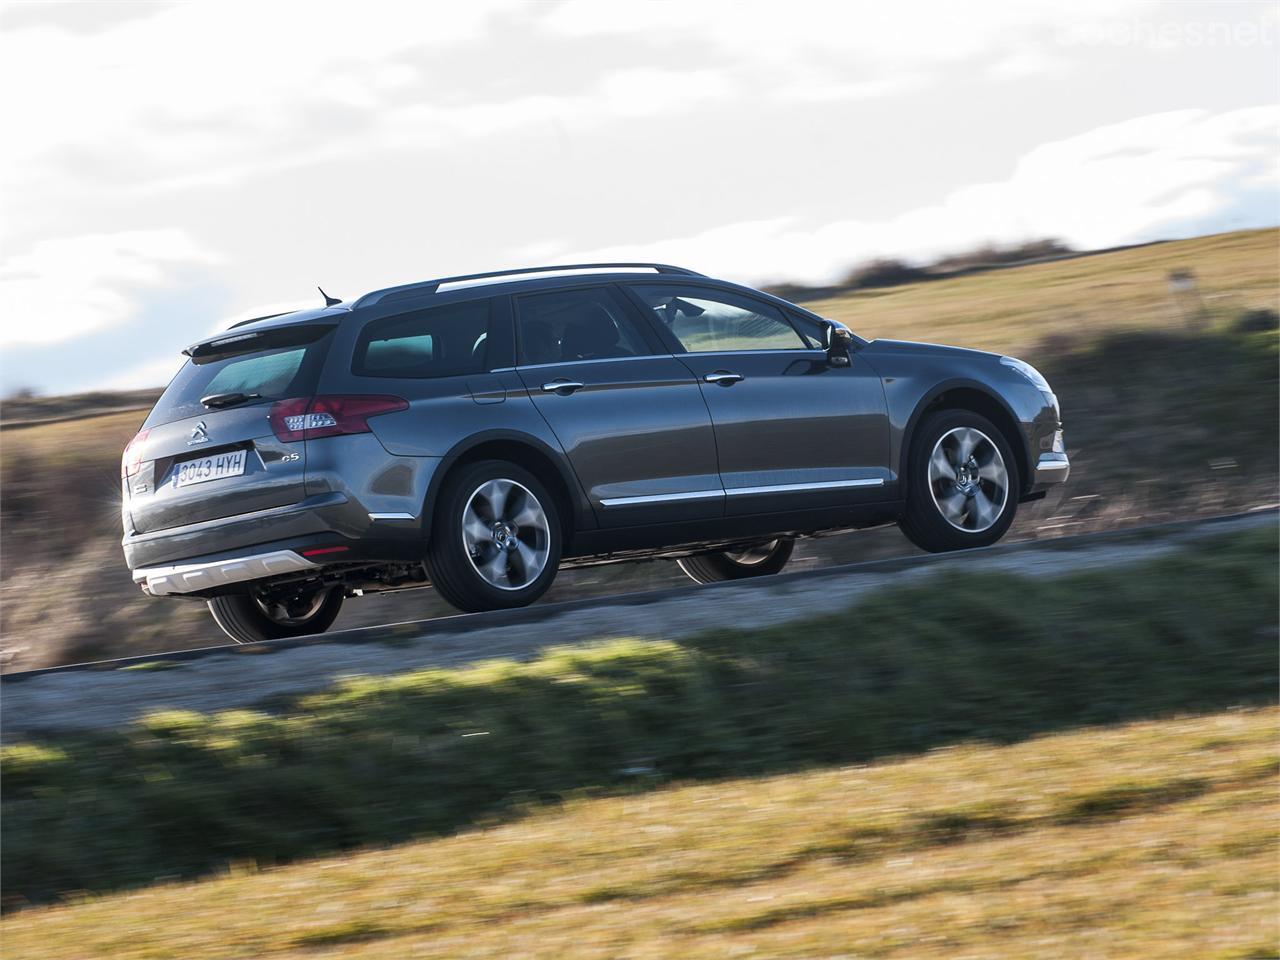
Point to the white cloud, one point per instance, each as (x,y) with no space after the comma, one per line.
(896,36)
(69,286)
(1150,177)
(200,85)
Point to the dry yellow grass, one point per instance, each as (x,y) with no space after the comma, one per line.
(1152,840)
(1014,309)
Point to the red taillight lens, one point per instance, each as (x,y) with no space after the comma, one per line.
(308,418)
(131,459)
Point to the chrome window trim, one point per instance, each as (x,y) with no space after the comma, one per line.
(742,491)
(561,363)
(817,351)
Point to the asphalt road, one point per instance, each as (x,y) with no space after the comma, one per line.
(112,693)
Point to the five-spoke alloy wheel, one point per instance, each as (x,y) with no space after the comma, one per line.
(961,484)
(495,538)
(506,534)
(968,480)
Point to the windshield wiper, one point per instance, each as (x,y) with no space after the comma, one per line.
(216,401)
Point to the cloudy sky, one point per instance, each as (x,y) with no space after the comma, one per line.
(169,168)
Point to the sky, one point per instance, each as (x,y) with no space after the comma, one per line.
(172,167)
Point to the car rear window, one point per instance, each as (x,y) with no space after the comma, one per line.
(274,374)
(444,341)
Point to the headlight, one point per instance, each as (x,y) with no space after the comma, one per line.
(1028,371)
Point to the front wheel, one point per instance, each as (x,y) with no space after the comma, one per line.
(758,560)
(250,617)
(962,484)
(495,539)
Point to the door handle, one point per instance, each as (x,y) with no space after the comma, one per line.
(568,386)
(723,376)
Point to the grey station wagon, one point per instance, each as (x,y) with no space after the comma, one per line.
(478,433)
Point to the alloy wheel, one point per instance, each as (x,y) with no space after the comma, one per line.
(506,534)
(968,479)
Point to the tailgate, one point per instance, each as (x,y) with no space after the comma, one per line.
(221,464)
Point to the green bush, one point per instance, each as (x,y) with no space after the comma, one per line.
(377,760)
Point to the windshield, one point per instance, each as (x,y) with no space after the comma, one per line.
(289,371)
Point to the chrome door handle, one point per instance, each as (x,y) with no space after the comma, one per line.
(568,386)
(722,376)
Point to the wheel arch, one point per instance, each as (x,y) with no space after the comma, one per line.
(980,399)
(526,451)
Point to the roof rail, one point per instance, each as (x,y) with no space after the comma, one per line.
(430,286)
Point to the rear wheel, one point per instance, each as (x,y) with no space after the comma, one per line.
(963,482)
(758,560)
(495,539)
(253,617)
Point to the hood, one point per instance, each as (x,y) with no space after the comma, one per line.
(884,348)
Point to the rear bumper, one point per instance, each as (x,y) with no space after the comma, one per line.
(321,519)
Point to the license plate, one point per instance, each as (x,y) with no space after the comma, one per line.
(208,468)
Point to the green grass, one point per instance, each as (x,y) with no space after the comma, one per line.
(380,760)
(1139,842)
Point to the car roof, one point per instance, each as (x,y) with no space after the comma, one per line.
(520,275)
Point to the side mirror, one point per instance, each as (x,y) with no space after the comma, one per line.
(837,340)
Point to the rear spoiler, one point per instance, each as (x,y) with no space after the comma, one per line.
(254,341)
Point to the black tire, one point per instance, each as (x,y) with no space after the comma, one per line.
(246,619)
(770,558)
(450,564)
(926,522)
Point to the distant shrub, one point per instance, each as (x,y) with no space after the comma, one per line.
(885,272)
(1256,321)
(990,255)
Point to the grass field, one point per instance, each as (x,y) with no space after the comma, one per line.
(1153,840)
(1029,310)
(382,760)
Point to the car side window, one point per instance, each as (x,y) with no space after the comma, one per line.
(808,328)
(443,341)
(713,321)
(574,325)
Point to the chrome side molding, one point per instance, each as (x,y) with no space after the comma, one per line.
(743,491)
(796,487)
(662,498)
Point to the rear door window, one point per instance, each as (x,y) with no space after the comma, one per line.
(444,341)
(569,326)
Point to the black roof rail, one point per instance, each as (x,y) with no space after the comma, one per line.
(430,286)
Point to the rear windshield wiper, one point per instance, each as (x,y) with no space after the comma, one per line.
(216,401)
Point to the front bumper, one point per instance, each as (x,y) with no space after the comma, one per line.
(1051,468)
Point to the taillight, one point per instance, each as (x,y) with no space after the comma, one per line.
(131,459)
(308,418)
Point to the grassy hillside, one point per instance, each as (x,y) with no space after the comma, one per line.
(1016,310)
(381,760)
(1171,412)
(1155,840)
